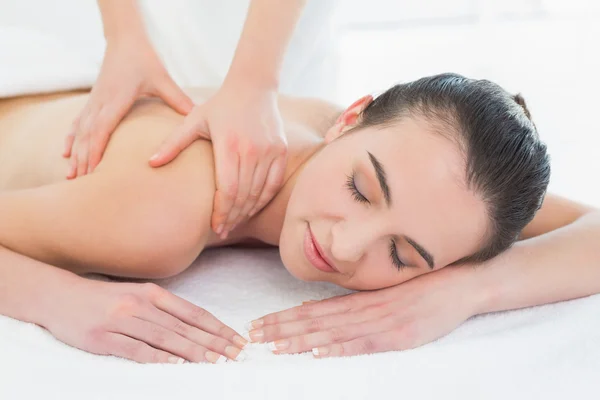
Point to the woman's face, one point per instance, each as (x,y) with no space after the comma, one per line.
(379,206)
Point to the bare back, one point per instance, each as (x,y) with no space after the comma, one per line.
(33,130)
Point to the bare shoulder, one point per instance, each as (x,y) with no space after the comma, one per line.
(316,114)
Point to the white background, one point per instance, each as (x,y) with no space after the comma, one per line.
(545,49)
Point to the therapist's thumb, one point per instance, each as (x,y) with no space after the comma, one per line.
(186,134)
(174,96)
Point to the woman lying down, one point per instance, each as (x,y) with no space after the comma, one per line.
(433,193)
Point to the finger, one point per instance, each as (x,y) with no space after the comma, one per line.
(70,139)
(106,121)
(195,316)
(214,343)
(334,305)
(292,329)
(246,173)
(175,97)
(373,343)
(82,155)
(346,330)
(272,184)
(258,183)
(178,141)
(164,339)
(227,188)
(135,350)
(72,173)
(68,144)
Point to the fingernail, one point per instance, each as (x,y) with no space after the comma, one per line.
(242,356)
(320,351)
(220,229)
(256,335)
(240,341)
(278,345)
(214,357)
(233,352)
(257,323)
(251,213)
(175,360)
(154,157)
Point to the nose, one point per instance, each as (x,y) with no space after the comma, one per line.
(350,240)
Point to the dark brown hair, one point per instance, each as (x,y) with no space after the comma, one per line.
(506,162)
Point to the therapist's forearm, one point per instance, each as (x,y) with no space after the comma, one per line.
(560,265)
(265,37)
(120,19)
(27,286)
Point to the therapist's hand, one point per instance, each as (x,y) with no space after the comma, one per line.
(131,69)
(250,149)
(397,318)
(138,321)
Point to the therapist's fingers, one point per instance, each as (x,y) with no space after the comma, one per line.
(273,182)
(258,183)
(102,127)
(227,169)
(72,173)
(70,138)
(193,128)
(174,96)
(247,167)
(82,156)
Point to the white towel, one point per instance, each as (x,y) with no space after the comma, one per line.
(549,352)
(33,61)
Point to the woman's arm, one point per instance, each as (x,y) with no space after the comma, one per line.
(558,260)
(143,222)
(26,285)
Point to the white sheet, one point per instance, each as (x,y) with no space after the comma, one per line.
(550,352)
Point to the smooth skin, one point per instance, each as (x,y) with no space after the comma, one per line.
(250,150)
(99,224)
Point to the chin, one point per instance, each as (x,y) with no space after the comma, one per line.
(296,269)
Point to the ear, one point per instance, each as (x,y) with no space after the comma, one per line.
(348,119)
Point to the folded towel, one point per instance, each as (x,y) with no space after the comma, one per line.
(550,352)
(35,62)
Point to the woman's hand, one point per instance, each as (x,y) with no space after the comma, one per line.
(141,322)
(243,122)
(131,69)
(397,318)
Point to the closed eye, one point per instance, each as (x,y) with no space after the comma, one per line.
(398,263)
(356,194)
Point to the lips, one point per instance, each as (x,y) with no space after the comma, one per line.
(314,253)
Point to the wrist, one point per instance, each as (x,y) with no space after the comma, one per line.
(490,279)
(46,300)
(252,77)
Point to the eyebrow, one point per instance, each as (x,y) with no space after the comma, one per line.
(385,189)
(381,177)
(424,253)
